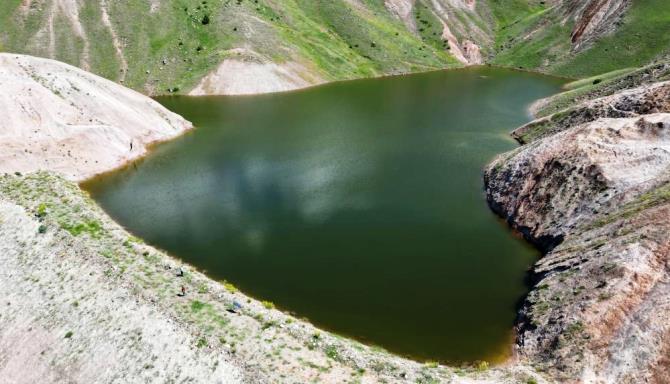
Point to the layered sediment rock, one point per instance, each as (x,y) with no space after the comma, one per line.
(593,192)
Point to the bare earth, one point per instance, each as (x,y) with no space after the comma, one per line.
(61,118)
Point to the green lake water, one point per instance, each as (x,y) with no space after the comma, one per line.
(358,205)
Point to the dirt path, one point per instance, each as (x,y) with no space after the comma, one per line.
(118,47)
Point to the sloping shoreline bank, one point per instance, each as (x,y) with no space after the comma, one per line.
(96,292)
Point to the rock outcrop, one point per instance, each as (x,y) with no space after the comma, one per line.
(593,18)
(59,118)
(593,192)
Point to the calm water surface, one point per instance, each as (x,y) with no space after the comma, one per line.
(358,205)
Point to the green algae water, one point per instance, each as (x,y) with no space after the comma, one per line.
(358,205)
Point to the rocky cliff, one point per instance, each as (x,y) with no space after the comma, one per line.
(592,190)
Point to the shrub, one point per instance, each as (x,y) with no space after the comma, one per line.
(42,210)
(91,227)
(205,20)
(268,304)
(68,334)
(42,229)
(331,352)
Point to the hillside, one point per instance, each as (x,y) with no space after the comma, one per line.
(581,38)
(159,47)
(244,46)
(60,118)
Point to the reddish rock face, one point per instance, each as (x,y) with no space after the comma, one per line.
(593,18)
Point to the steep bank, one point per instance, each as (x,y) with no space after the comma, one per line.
(60,118)
(591,188)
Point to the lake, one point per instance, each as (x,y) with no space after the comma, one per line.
(357,205)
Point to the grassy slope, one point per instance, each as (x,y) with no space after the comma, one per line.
(339,40)
(336,39)
(534,37)
(644,35)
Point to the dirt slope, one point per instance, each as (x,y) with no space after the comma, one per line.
(58,117)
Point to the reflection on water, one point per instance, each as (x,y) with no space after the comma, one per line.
(358,205)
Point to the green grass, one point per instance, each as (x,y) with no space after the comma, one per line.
(230,287)
(90,227)
(429,26)
(644,35)
(595,80)
(197,306)
(653,198)
(533,37)
(333,40)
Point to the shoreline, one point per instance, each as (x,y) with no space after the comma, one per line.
(147,276)
(115,282)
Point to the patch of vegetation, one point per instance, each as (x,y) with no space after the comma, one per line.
(91,227)
(597,79)
(230,287)
(482,366)
(42,210)
(268,304)
(653,198)
(332,352)
(197,306)
(534,36)
(68,334)
(429,27)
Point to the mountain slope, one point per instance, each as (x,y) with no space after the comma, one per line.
(580,38)
(254,46)
(162,46)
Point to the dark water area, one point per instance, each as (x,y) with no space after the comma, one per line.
(358,205)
